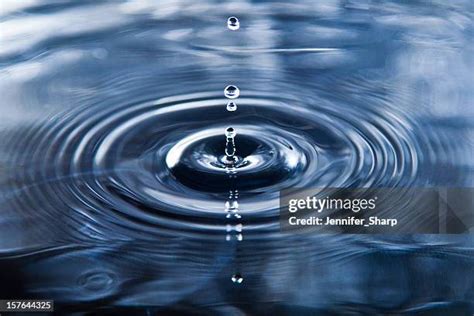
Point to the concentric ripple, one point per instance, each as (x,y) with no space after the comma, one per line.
(156,166)
(114,177)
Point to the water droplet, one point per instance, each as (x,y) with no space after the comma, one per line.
(233,23)
(237,278)
(230,145)
(231,92)
(231,106)
(240,237)
(230,132)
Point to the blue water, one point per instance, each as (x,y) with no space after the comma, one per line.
(113,179)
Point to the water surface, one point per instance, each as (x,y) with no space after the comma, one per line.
(112,181)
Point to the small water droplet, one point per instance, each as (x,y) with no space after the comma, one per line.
(233,23)
(237,278)
(231,106)
(230,132)
(231,92)
(240,237)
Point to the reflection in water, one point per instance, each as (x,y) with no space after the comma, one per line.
(231,106)
(113,174)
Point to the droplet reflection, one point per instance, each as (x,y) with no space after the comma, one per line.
(237,278)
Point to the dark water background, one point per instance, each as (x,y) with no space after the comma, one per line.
(112,189)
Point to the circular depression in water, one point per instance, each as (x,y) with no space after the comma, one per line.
(159,165)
